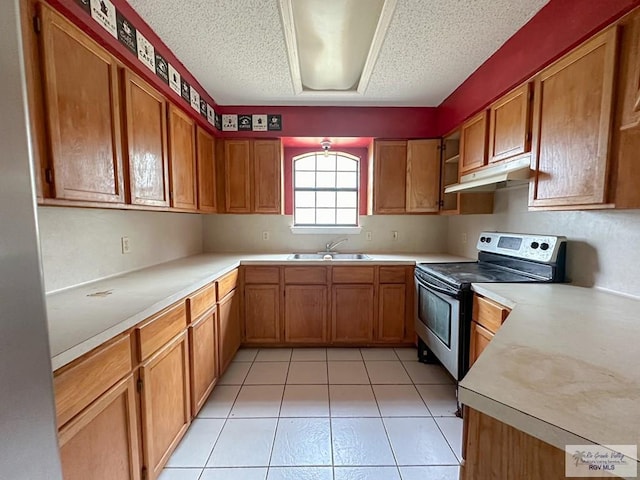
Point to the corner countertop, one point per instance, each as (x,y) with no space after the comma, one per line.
(564,367)
(84,317)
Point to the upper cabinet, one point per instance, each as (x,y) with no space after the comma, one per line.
(423,176)
(82,114)
(572,126)
(389,176)
(182,160)
(473,143)
(510,125)
(206,161)
(145,117)
(252,176)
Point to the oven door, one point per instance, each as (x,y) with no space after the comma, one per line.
(438,323)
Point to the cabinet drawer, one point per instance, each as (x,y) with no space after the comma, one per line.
(488,314)
(353,274)
(305,275)
(157,331)
(227,283)
(201,301)
(392,274)
(89,377)
(263,275)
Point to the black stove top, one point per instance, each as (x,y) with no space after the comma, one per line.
(463,274)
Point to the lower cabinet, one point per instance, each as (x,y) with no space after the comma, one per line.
(165,404)
(229,329)
(480,338)
(102,443)
(305,314)
(203,359)
(262,313)
(487,317)
(391,312)
(352,313)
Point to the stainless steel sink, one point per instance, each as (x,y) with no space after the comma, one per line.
(334,256)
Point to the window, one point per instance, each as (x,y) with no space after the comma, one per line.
(325,187)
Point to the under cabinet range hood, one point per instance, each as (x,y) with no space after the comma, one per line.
(486,179)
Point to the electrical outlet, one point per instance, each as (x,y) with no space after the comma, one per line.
(265,236)
(369,236)
(126,245)
(464,237)
(395,235)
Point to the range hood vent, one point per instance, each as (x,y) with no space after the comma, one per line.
(487,179)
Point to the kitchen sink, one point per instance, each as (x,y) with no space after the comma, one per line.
(334,256)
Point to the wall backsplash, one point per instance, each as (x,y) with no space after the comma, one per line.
(79,245)
(603,247)
(243,233)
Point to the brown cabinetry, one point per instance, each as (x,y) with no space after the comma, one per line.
(182,160)
(229,329)
(473,143)
(262,313)
(510,125)
(389,176)
(487,317)
(352,313)
(391,312)
(206,163)
(423,176)
(305,314)
(82,114)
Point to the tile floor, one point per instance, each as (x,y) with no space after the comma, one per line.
(324,414)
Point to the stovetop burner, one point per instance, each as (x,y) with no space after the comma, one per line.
(464,273)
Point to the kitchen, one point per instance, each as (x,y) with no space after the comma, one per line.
(79,245)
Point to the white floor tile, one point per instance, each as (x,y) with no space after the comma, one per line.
(305,401)
(387,372)
(418,441)
(300,473)
(399,401)
(360,442)
(440,399)
(309,355)
(274,355)
(452,429)
(352,401)
(245,355)
(430,473)
(244,442)
(254,473)
(409,354)
(219,403)
(302,441)
(255,401)
(307,373)
(267,373)
(348,373)
(180,474)
(378,354)
(427,373)
(338,354)
(235,374)
(196,446)
(367,473)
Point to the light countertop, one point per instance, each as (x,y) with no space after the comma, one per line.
(564,367)
(79,322)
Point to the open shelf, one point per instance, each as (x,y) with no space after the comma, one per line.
(453,159)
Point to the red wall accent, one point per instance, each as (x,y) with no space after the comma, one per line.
(557,28)
(291,152)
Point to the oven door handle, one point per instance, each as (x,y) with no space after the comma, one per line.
(438,289)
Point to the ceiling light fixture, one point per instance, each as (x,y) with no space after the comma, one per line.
(326,145)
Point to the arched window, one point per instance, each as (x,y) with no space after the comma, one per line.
(325,186)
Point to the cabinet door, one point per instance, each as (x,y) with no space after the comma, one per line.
(267,176)
(480,338)
(229,329)
(165,403)
(423,176)
(262,313)
(305,314)
(101,443)
(237,176)
(572,123)
(390,176)
(83,113)
(206,159)
(473,143)
(182,159)
(510,125)
(146,140)
(352,312)
(391,313)
(203,356)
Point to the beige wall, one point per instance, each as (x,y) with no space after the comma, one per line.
(243,233)
(603,249)
(80,245)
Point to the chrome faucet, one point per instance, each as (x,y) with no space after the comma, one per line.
(329,247)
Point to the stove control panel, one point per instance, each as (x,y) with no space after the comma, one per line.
(541,248)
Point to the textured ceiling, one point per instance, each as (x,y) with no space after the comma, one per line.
(236,48)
